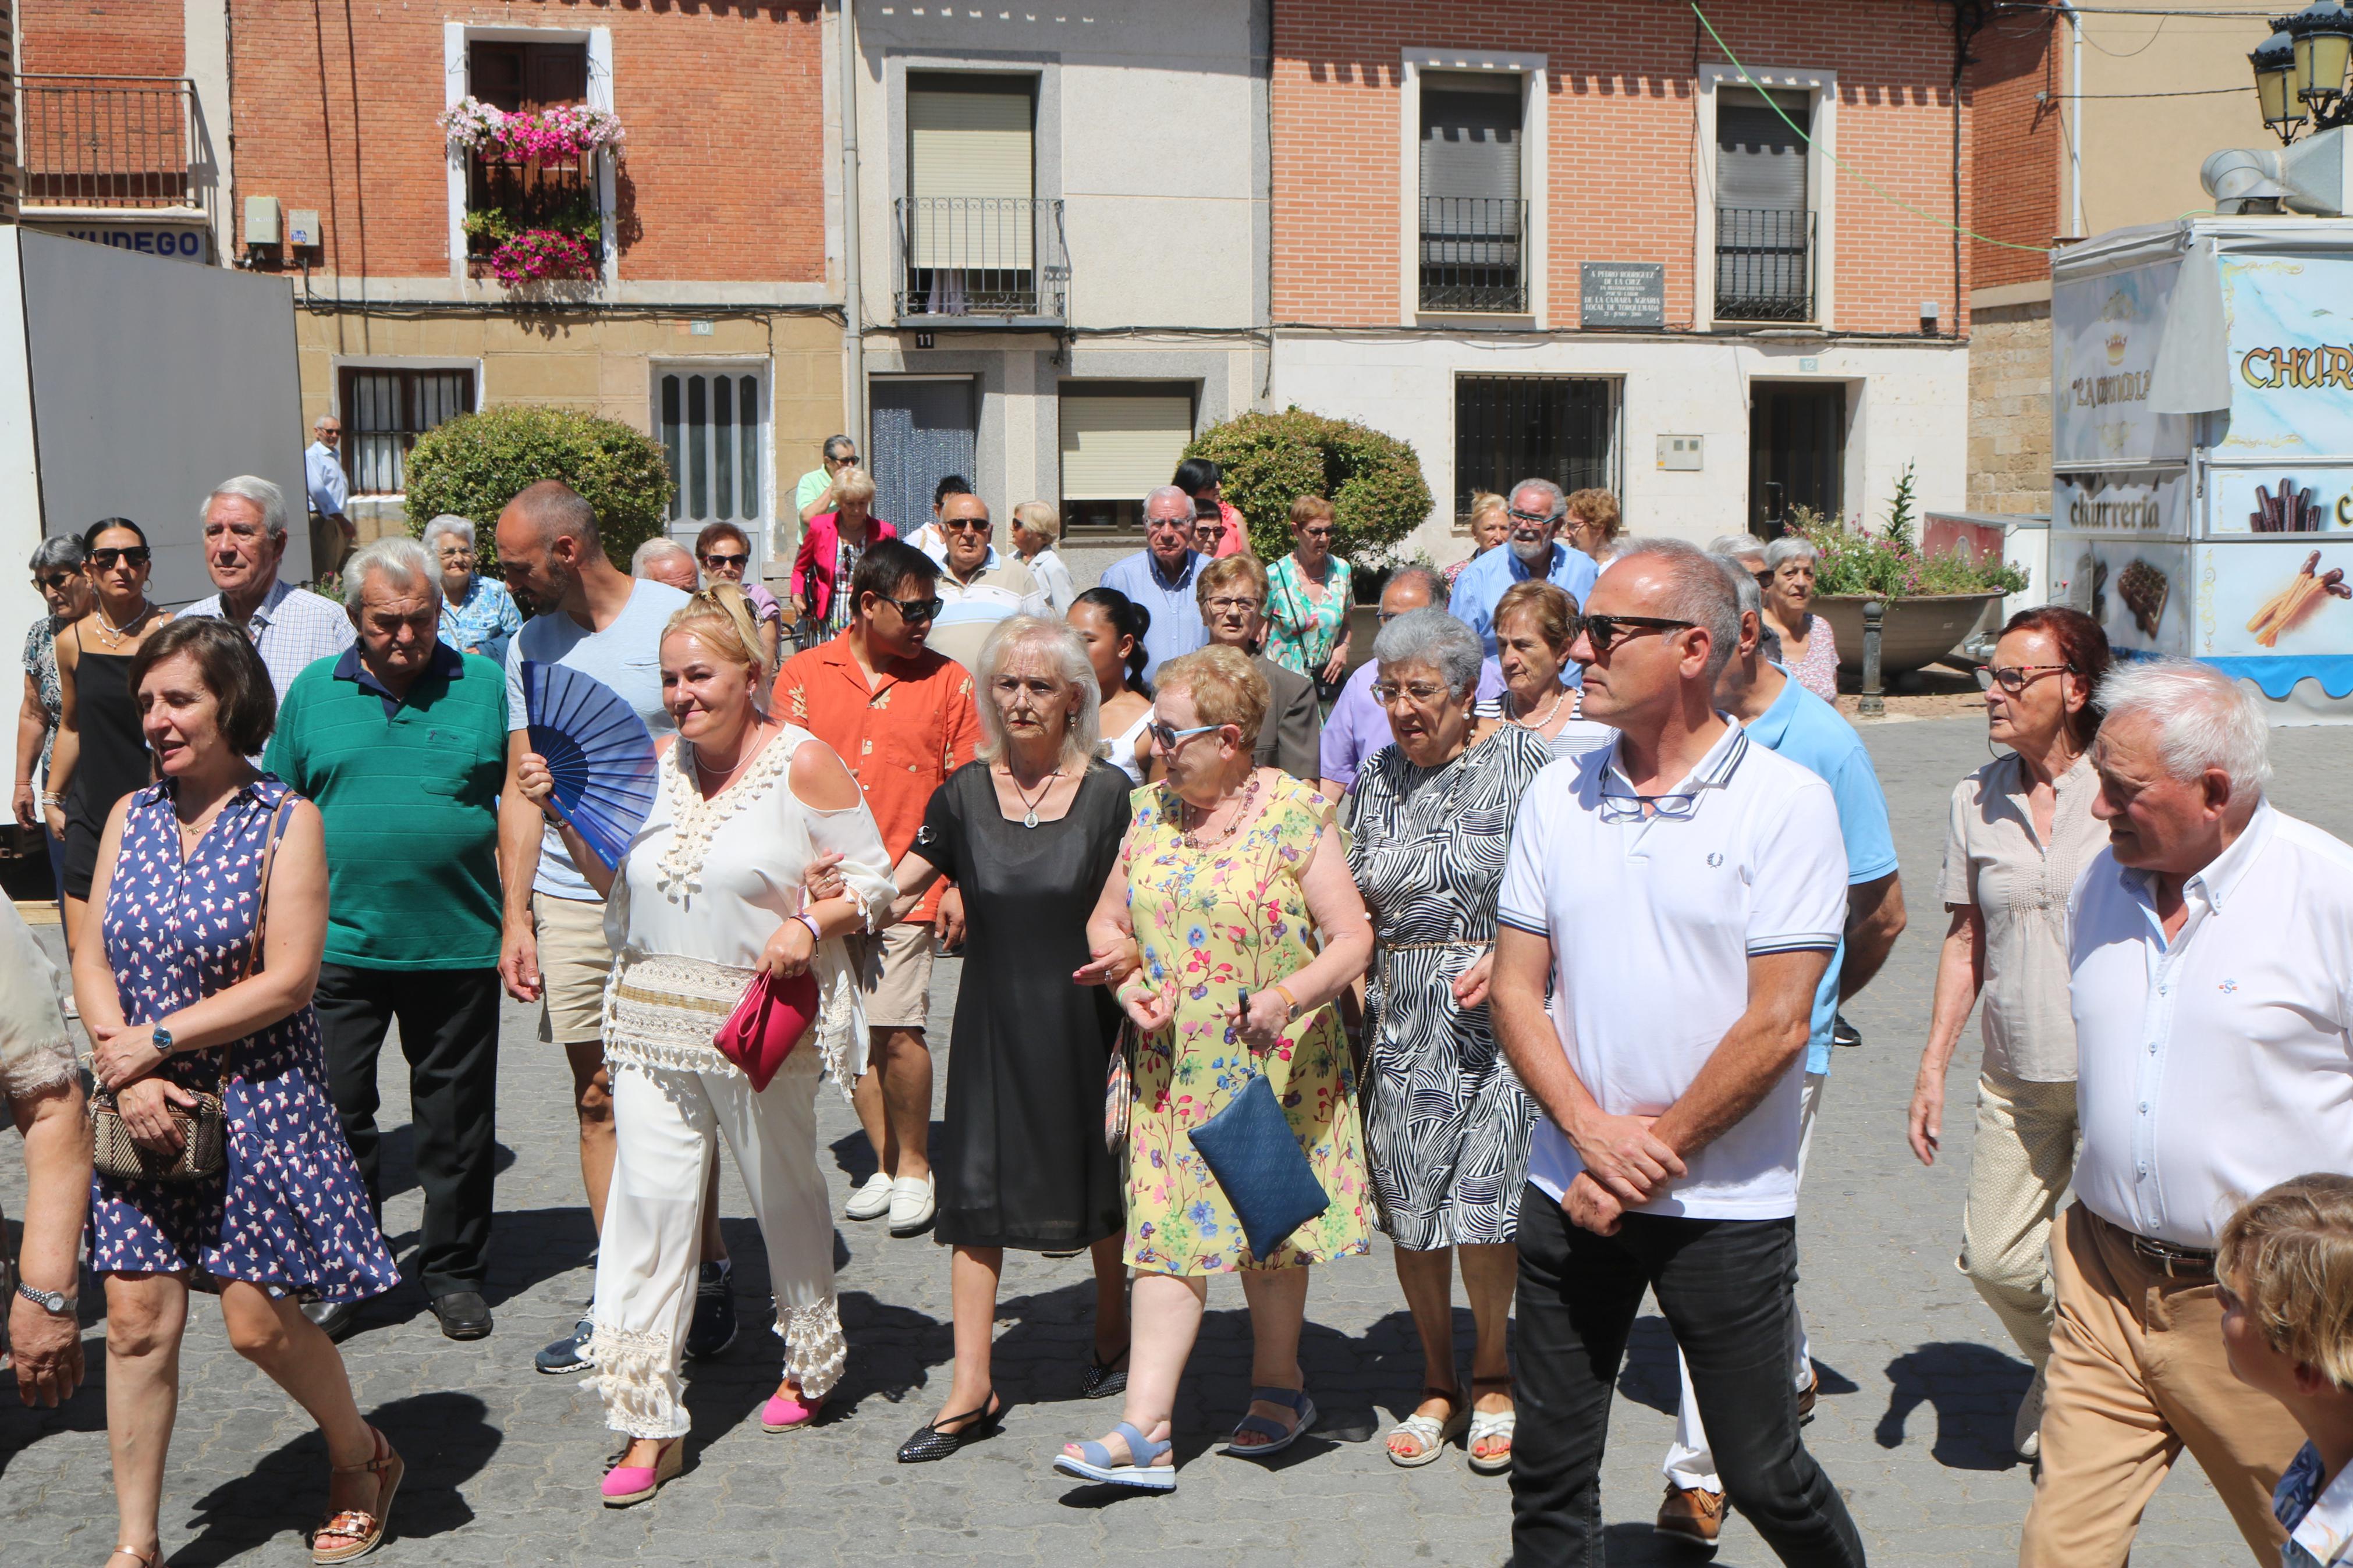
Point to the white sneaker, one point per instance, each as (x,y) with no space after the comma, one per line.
(2026,1435)
(911,1206)
(871,1201)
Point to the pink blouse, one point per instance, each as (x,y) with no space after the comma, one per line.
(1818,671)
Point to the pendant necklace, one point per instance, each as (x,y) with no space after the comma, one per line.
(113,636)
(1029,807)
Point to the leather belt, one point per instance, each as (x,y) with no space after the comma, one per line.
(2173,1262)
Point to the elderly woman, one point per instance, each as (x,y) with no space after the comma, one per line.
(723,553)
(1227,869)
(41,1329)
(1308,593)
(2022,830)
(194,971)
(1808,647)
(1491,524)
(1446,1124)
(708,895)
(1036,527)
(832,547)
(477,613)
(1232,592)
(58,578)
(1594,525)
(1031,831)
(1536,622)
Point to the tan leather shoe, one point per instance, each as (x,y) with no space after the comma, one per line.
(1689,1514)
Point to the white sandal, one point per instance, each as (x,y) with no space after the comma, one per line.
(1428,1431)
(1485,1424)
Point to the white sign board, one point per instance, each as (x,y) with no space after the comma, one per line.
(2104,338)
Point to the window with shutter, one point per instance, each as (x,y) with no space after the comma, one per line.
(1118,443)
(1764,249)
(1472,218)
(1512,427)
(384,411)
(970,157)
(713,430)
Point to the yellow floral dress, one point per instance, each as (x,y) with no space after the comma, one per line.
(1229,918)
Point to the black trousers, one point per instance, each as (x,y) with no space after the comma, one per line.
(449,1031)
(1725,1286)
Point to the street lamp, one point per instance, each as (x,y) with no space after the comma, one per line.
(2300,69)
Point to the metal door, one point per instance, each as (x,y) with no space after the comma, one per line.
(923,429)
(1796,452)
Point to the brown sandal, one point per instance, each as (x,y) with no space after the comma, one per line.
(363,1527)
(141,1557)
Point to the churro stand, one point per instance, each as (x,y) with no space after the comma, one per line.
(2202,449)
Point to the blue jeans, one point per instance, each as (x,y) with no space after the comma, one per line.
(1725,1286)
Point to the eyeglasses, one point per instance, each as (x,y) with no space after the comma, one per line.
(1423,693)
(965,524)
(1228,606)
(915,609)
(1168,739)
(1157,524)
(1607,631)
(1540,519)
(725,562)
(105,560)
(2018,677)
(54,582)
(1628,808)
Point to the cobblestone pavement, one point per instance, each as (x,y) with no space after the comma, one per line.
(1919,1383)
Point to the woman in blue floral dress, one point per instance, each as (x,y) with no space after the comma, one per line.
(177,1002)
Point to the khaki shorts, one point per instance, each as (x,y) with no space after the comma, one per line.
(894,971)
(574,961)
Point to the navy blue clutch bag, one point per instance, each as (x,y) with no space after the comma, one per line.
(1250,1148)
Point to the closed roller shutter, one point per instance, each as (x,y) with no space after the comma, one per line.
(1760,162)
(1116,449)
(969,153)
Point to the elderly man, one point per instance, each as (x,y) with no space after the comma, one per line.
(1532,550)
(1681,894)
(1233,609)
(401,743)
(664,560)
(977,587)
(2214,1041)
(814,493)
(244,539)
(553,950)
(332,533)
(1357,727)
(1779,714)
(1160,578)
(40,1327)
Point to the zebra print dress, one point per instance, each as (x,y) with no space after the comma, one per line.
(1446,1124)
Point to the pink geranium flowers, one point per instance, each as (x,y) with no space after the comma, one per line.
(551,135)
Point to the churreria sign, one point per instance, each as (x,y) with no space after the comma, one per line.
(2321,365)
(2125,386)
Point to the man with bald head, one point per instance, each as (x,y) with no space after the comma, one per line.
(1160,578)
(608,626)
(1358,725)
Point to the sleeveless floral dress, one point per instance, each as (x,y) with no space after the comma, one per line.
(289,1213)
(1228,918)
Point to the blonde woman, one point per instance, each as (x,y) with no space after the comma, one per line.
(1491,524)
(709,893)
(1036,527)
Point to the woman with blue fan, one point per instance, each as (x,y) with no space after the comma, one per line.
(700,899)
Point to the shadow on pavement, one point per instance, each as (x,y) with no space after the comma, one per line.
(1975,1391)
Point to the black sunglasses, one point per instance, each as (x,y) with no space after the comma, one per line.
(55,581)
(965,524)
(717,561)
(915,609)
(1607,632)
(105,560)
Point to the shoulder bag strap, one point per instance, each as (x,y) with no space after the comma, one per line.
(261,891)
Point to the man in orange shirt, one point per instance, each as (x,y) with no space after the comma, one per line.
(901,716)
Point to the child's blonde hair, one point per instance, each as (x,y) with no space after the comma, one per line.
(2288,1255)
(721,616)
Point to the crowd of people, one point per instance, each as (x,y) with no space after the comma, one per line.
(1521,942)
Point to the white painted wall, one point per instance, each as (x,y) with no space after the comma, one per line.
(1911,403)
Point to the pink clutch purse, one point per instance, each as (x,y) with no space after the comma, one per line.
(767,1023)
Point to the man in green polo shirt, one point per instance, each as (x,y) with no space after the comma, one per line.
(401,742)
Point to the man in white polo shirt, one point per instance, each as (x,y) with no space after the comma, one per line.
(1682,892)
(2213,990)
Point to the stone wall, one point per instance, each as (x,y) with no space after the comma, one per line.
(2010,408)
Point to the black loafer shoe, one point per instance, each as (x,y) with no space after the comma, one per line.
(930,1443)
(338,1319)
(464,1315)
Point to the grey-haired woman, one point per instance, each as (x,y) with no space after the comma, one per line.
(1809,647)
(58,577)
(477,613)
(1447,1126)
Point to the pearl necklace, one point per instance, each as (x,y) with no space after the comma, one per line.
(1546,718)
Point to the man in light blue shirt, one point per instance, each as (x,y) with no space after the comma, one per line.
(332,533)
(1533,550)
(1160,578)
(1358,725)
(1782,716)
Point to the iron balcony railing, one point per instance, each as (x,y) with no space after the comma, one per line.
(982,255)
(1473,253)
(518,194)
(108,141)
(1763,264)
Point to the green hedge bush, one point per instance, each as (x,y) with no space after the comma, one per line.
(473,465)
(1268,460)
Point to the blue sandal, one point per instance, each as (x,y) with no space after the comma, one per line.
(1278,1438)
(1139,1473)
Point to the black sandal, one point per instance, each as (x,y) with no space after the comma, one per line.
(1105,1378)
(930,1443)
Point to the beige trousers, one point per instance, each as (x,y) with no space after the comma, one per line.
(2021,1161)
(2137,1374)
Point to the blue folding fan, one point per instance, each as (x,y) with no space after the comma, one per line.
(600,751)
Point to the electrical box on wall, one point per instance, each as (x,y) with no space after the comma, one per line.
(1679,453)
(261,220)
(302,228)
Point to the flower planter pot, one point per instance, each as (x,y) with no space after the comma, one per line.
(1914,633)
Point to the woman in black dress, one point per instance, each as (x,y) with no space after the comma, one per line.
(1028,832)
(102,754)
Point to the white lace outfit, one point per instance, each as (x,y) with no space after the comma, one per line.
(704,886)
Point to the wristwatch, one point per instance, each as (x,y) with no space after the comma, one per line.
(163,1039)
(56,1303)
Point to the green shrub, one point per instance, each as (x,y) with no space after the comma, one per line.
(1890,565)
(473,465)
(1269,460)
